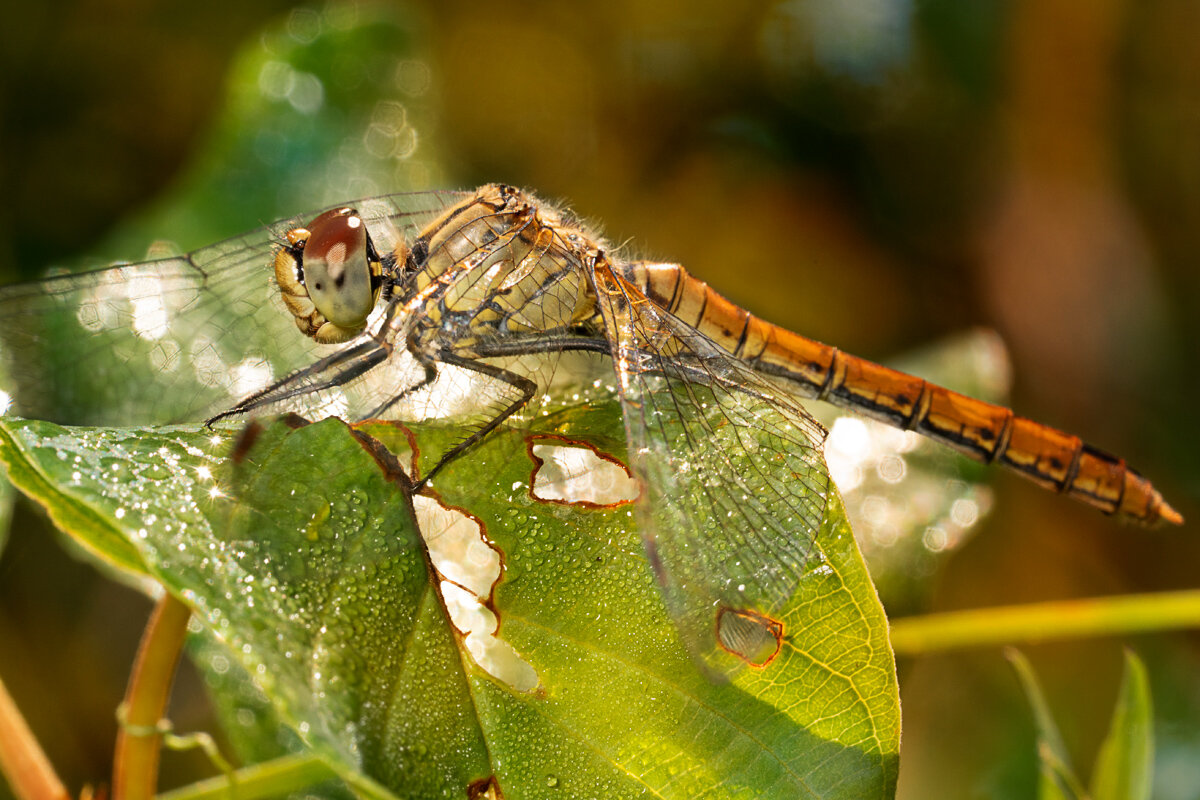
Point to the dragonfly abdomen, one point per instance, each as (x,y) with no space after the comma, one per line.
(982,431)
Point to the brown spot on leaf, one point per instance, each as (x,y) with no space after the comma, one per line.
(468,567)
(485,789)
(581,475)
(753,637)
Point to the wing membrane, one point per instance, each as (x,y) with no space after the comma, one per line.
(735,480)
(177,339)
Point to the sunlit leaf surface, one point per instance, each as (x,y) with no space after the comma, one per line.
(303,556)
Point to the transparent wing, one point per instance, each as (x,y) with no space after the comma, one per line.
(177,339)
(911,501)
(735,482)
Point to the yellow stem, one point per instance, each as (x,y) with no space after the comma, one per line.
(1066,619)
(22,761)
(135,763)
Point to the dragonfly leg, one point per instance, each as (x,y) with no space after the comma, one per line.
(429,377)
(541,344)
(524,385)
(327,373)
(678,367)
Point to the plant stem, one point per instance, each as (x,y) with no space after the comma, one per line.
(270,779)
(135,763)
(1067,619)
(22,760)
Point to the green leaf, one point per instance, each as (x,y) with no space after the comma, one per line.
(41,460)
(1124,768)
(250,722)
(284,776)
(8,496)
(303,556)
(1056,779)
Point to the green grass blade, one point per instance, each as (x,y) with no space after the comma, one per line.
(1125,767)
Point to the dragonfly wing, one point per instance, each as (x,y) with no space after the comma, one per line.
(735,482)
(157,342)
(178,339)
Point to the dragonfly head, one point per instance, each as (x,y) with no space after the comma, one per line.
(330,276)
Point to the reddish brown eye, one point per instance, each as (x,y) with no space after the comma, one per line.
(337,273)
(336,235)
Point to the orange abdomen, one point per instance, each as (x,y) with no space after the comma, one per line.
(983,431)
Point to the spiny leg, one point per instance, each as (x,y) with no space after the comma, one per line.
(678,367)
(524,385)
(429,377)
(345,365)
(500,349)
(536,345)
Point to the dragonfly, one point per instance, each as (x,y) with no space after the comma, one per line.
(376,308)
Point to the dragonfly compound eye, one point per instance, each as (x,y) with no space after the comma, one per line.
(330,277)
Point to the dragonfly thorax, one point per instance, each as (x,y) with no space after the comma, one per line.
(330,276)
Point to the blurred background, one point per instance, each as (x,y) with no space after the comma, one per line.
(877,174)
